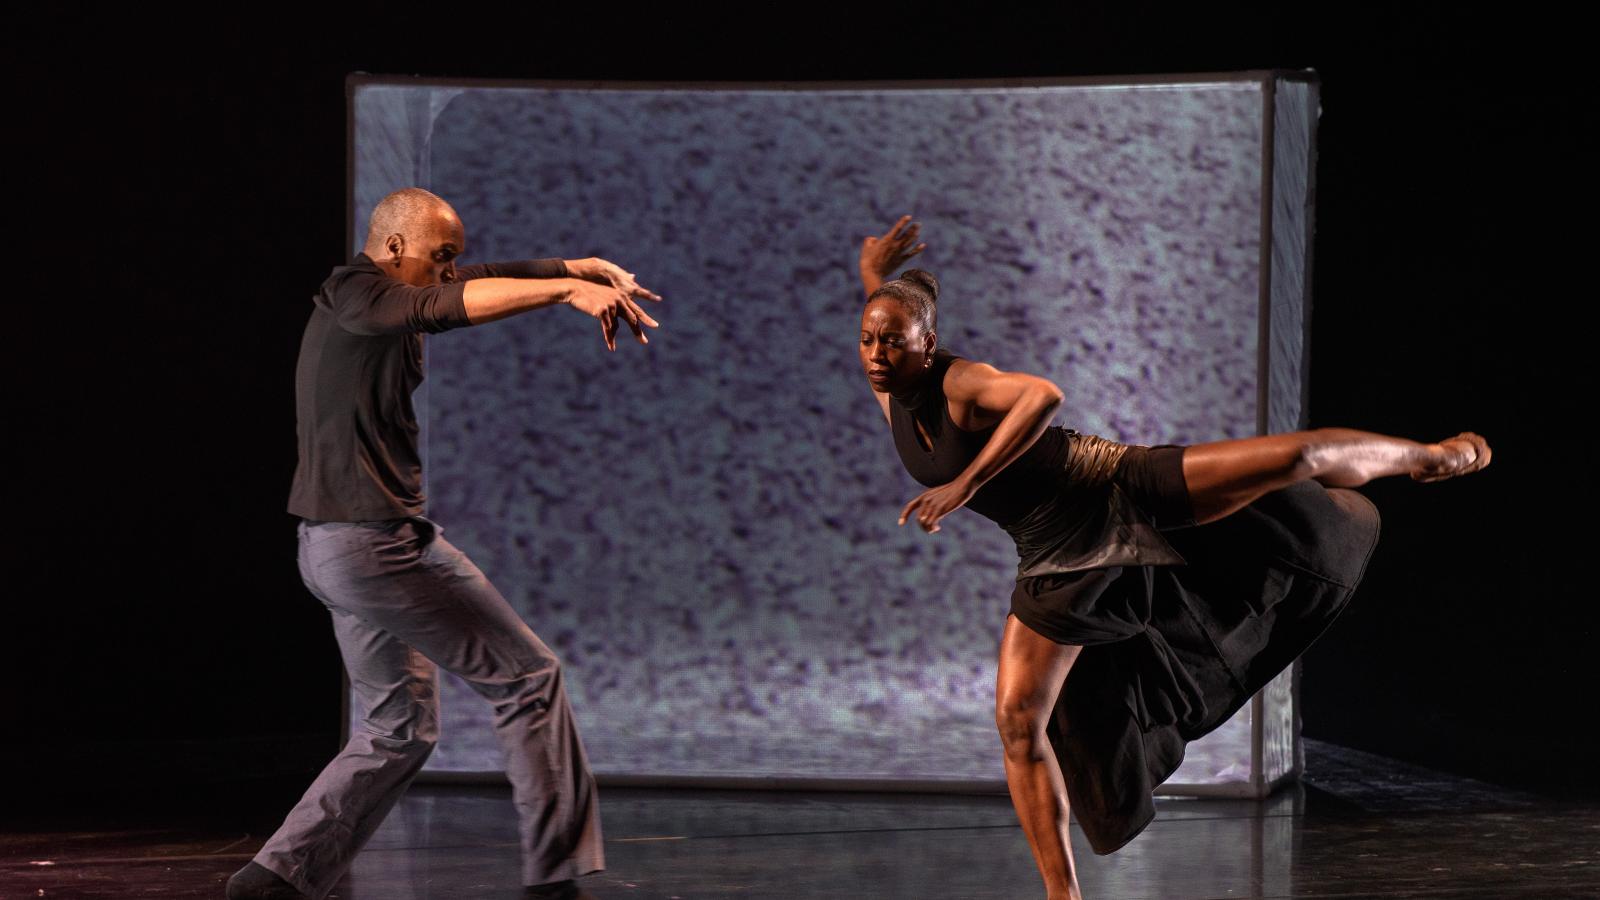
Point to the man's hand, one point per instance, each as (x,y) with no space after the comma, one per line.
(612,301)
(882,255)
(603,271)
(934,504)
(608,305)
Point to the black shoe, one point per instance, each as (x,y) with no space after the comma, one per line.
(557,890)
(254,882)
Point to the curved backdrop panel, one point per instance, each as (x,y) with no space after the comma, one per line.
(704,528)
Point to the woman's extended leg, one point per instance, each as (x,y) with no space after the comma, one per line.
(1227,475)
(1032,670)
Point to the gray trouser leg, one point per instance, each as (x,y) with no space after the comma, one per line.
(400,596)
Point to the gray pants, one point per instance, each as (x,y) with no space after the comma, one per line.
(402,599)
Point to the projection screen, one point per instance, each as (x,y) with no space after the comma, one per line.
(704,528)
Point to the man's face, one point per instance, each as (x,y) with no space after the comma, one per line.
(427,256)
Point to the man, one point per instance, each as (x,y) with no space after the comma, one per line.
(403,600)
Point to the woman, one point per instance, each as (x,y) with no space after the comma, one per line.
(1165,630)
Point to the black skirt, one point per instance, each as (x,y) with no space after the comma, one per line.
(1171,652)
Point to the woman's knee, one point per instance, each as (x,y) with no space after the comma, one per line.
(1226,476)
(1022,726)
(1320,450)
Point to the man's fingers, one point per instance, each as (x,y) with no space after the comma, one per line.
(608,329)
(625,283)
(631,316)
(639,315)
(915,250)
(621,308)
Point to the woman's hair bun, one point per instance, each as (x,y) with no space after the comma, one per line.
(917,291)
(924,279)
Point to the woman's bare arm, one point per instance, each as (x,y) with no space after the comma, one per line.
(979,394)
(881,255)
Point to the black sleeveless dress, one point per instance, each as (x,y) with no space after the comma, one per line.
(1180,624)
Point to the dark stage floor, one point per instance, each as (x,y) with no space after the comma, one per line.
(1359,826)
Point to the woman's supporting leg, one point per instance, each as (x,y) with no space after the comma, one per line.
(1227,475)
(1032,670)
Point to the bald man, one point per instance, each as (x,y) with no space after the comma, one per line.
(403,600)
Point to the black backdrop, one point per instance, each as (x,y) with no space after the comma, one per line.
(178,200)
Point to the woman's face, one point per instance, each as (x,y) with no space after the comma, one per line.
(895,349)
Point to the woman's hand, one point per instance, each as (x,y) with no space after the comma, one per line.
(934,504)
(882,255)
(976,394)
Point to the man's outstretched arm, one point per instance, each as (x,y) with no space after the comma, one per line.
(490,299)
(517,268)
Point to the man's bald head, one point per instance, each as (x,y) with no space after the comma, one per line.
(414,235)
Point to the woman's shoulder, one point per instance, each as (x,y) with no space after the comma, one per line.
(945,360)
(960,375)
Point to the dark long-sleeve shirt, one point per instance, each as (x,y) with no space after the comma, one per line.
(360,361)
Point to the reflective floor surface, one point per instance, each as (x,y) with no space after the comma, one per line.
(1358,827)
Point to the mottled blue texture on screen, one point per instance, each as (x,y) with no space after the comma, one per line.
(704,528)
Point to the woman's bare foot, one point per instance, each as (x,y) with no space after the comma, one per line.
(1460,455)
